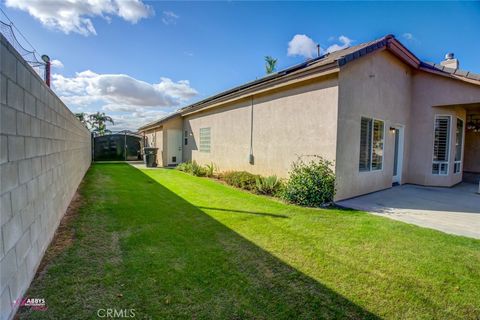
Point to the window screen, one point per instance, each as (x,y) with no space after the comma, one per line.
(205,140)
(365,144)
(441,145)
(371,144)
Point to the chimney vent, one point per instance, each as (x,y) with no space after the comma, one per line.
(450,61)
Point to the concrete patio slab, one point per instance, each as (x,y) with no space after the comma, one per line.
(453,210)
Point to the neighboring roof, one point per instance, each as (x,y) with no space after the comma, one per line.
(158,122)
(327,61)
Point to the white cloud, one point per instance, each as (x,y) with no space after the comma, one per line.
(410,37)
(301,45)
(129,101)
(169,17)
(133,121)
(345,42)
(121,108)
(123,89)
(75,15)
(56,64)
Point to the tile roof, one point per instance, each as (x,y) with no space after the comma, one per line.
(457,72)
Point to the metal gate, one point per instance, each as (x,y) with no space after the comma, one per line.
(117,147)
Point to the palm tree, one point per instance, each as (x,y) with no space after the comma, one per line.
(270,64)
(98,122)
(83,118)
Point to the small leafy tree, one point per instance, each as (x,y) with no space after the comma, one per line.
(310,183)
(270,64)
(99,121)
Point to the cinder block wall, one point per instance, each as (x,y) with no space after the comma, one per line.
(44,155)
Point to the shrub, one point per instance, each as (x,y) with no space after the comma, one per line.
(267,185)
(198,170)
(192,168)
(310,184)
(241,179)
(210,169)
(185,167)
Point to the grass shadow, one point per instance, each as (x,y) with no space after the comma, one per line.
(171,260)
(202,269)
(272,215)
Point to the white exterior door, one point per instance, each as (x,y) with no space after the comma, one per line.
(398,155)
(174,146)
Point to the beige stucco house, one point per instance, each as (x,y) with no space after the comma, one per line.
(383,116)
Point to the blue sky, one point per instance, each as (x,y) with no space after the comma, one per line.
(217,45)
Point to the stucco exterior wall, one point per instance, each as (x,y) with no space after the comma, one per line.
(45,152)
(155,140)
(376,86)
(287,123)
(433,95)
(175,123)
(157,137)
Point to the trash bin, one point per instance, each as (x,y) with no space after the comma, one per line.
(150,157)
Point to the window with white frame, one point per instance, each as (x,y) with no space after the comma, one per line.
(457,167)
(205,140)
(371,144)
(441,145)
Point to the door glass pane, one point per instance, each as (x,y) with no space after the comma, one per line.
(377,151)
(395,157)
(458,146)
(459,140)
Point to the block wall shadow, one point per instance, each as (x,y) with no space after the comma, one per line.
(215,272)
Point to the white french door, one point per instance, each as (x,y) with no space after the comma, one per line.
(398,155)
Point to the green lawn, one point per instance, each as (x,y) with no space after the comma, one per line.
(171,246)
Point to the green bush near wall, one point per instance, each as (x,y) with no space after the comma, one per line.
(241,179)
(193,168)
(270,185)
(310,184)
